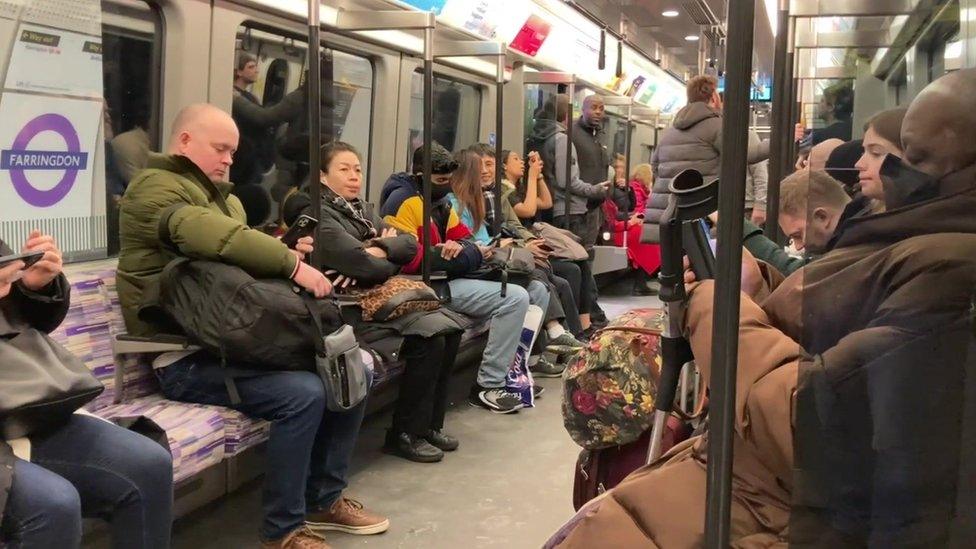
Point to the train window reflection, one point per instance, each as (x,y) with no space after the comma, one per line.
(270,107)
(457,111)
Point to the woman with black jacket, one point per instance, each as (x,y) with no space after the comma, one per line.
(364,251)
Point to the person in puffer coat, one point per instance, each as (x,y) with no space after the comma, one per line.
(694,142)
(854,387)
(364,249)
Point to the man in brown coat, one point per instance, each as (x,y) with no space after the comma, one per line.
(853,372)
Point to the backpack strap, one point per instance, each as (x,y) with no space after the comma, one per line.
(702,391)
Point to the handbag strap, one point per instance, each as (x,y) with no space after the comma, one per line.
(702,391)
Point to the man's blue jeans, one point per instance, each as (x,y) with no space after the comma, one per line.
(92,468)
(309,448)
(482,299)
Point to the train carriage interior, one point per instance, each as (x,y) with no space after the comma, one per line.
(805,79)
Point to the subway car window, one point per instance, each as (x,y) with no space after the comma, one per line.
(270,109)
(81,89)
(457,111)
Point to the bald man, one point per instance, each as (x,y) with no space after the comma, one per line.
(853,414)
(181,205)
(820,152)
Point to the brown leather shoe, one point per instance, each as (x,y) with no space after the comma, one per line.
(349,516)
(299,538)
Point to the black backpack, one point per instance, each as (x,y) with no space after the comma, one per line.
(264,324)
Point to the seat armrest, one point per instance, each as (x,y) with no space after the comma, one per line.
(124,344)
(437,275)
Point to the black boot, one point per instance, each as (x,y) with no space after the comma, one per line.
(441,440)
(411,447)
(644,285)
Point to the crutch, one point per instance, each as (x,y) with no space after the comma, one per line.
(683,232)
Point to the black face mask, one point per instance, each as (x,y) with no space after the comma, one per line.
(904,185)
(438,192)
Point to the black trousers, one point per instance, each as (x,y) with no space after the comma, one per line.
(422,402)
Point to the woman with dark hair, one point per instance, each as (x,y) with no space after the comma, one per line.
(364,252)
(882,136)
(477,211)
(528,195)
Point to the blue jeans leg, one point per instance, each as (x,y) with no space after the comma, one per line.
(331,456)
(44,510)
(294,403)
(538,295)
(482,299)
(92,468)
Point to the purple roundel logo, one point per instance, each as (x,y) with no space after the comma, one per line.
(19,159)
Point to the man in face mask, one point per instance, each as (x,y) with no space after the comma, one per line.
(852,382)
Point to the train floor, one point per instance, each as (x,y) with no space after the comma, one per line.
(509,485)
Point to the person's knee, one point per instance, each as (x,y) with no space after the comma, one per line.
(305,392)
(60,506)
(516,298)
(153,464)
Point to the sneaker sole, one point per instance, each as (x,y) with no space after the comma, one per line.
(495,410)
(546,374)
(372,529)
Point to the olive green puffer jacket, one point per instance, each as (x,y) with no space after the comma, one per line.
(198,227)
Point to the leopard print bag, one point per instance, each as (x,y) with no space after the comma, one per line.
(396,297)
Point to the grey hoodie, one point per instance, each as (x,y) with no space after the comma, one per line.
(549,138)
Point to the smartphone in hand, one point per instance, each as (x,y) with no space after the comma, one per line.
(302,227)
(29,258)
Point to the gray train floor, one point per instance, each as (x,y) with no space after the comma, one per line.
(509,485)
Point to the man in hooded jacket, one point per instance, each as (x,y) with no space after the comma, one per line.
(694,142)
(866,351)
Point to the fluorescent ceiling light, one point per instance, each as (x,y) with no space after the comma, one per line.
(692,38)
(670,13)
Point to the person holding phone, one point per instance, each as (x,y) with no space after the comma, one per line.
(309,450)
(86,466)
(364,251)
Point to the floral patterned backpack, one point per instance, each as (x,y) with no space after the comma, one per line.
(609,389)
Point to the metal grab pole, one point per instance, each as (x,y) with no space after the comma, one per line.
(499,109)
(627,137)
(781,131)
(428,128)
(725,336)
(571,90)
(314,86)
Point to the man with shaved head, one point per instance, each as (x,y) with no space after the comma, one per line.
(181,206)
(854,417)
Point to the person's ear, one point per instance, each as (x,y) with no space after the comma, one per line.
(183,140)
(821,216)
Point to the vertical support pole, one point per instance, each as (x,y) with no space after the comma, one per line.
(627,163)
(499,110)
(571,91)
(428,129)
(725,341)
(781,132)
(314,85)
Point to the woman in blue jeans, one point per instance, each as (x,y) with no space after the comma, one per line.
(85,467)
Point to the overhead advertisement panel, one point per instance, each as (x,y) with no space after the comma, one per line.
(560,38)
